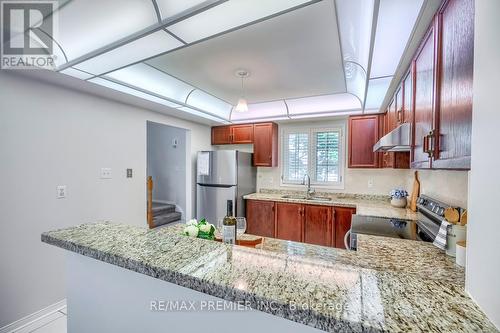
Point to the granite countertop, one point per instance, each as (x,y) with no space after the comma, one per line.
(367,205)
(386,286)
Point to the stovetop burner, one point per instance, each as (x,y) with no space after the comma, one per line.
(430,213)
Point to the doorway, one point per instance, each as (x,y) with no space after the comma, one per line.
(167,170)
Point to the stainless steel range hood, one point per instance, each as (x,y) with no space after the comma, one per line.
(396,140)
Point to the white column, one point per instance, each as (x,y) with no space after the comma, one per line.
(483,236)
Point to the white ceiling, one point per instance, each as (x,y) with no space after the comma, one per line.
(293,55)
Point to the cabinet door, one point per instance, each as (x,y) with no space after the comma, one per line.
(221,135)
(453,141)
(241,134)
(265,149)
(408,98)
(260,218)
(343,217)
(392,119)
(363,135)
(289,221)
(424,65)
(399,106)
(318,225)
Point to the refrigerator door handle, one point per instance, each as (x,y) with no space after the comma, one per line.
(216,185)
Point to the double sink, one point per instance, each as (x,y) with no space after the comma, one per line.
(302,197)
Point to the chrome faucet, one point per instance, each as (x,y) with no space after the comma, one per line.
(309,191)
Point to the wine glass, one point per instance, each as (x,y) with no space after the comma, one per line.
(241,225)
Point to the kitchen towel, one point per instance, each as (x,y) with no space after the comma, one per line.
(440,240)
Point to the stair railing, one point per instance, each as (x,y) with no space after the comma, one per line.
(150,202)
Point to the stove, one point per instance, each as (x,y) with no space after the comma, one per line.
(430,213)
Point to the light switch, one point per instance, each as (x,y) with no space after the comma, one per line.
(105,173)
(129,173)
(61,191)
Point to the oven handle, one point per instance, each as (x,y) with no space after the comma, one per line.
(346,244)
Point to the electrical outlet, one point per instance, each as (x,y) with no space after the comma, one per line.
(105,173)
(370,183)
(61,191)
(129,173)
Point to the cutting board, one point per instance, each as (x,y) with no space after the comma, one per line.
(415,193)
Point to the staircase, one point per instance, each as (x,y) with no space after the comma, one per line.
(159,213)
(164,213)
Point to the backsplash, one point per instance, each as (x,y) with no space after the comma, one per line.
(448,186)
(373,197)
(445,185)
(356,181)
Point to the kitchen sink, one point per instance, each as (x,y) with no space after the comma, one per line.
(298,197)
(320,199)
(301,197)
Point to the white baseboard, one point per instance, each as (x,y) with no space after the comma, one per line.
(30,319)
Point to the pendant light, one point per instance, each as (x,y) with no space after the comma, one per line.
(242,105)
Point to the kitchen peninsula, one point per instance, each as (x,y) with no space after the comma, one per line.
(388,285)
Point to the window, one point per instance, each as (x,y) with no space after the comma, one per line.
(313,151)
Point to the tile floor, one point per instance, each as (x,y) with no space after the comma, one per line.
(52,323)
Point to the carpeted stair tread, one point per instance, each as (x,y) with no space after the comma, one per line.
(162,208)
(166,218)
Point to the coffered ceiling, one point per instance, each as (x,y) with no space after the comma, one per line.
(305,58)
(292,55)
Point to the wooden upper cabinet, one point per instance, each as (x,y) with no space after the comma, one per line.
(265,149)
(391,116)
(260,218)
(399,113)
(289,221)
(318,225)
(221,135)
(453,139)
(408,98)
(363,135)
(424,66)
(342,217)
(242,134)
(264,137)
(235,134)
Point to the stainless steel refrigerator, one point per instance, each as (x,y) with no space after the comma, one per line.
(221,176)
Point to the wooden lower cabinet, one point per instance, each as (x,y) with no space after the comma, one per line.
(343,217)
(318,225)
(312,224)
(260,218)
(289,221)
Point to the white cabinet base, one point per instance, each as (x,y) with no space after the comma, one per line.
(105,298)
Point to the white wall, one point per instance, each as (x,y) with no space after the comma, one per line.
(483,234)
(166,163)
(52,136)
